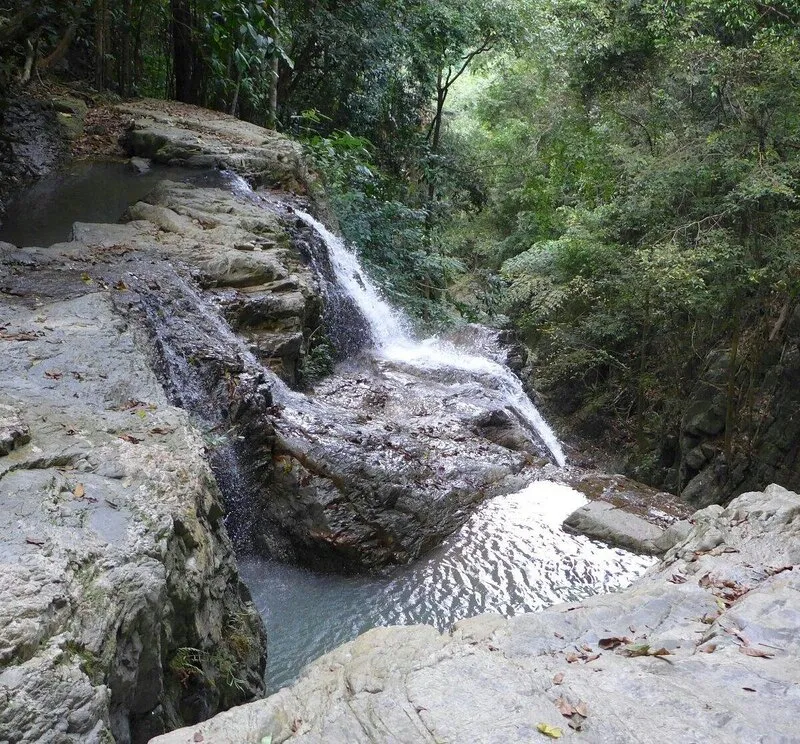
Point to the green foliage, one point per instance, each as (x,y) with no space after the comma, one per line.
(641,169)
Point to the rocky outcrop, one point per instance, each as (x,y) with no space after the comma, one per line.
(32,143)
(177,134)
(121,610)
(626,514)
(702,648)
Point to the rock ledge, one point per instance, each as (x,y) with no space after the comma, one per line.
(703,648)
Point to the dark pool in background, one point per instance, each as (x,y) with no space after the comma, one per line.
(87,191)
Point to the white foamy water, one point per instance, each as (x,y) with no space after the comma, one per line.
(393,340)
(511,556)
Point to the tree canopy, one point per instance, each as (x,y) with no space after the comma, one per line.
(619,178)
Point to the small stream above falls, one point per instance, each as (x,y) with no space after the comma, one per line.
(87,191)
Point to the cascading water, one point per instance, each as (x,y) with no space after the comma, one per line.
(510,556)
(393,340)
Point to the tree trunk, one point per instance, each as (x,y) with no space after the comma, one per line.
(272,101)
(730,402)
(182,53)
(436,132)
(61,48)
(100,41)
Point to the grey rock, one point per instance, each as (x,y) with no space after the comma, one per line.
(13,431)
(112,557)
(495,680)
(697,457)
(141,165)
(704,417)
(703,489)
(235,269)
(609,524)
(200,138)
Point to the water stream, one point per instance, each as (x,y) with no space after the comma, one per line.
(510,557)
(392,340)
(87,191)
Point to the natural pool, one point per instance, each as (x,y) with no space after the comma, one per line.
(510,557)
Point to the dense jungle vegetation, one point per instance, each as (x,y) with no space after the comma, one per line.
(617,178)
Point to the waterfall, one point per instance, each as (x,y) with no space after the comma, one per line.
(393,340)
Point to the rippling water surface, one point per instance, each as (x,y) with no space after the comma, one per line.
(511,556)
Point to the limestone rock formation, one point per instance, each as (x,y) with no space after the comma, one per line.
(177,134)
(702,648)
(121,610)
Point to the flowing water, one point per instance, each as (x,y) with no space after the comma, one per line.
(510,557)
(393,340)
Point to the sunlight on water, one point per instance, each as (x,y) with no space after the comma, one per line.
(510,557)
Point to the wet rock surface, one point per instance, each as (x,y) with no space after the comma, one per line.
(380,464)
(32,143)
(114,558)
(702,648)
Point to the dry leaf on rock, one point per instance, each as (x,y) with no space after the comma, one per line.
(608,644)
(750,651)
(565,707)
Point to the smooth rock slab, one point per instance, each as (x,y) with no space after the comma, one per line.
(722,611)
(615,526)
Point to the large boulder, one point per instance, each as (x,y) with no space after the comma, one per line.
(121,611)
(179,134)
(703,648)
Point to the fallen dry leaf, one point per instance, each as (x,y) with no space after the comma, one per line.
(593,657)
(565,707)
(558,679)
(129,438)
(750,651)
(709,649)
(34,540)
(79,491)
(677,579)
(607,644)
(54,374)
(22,336)
(776,571)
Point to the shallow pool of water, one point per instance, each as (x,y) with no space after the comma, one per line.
(511,556)
(85,191)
